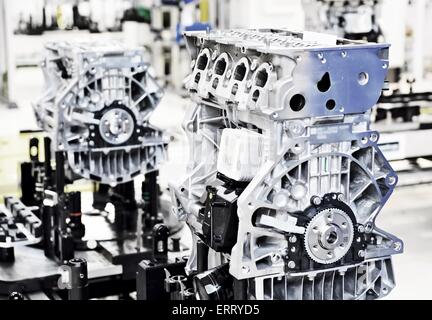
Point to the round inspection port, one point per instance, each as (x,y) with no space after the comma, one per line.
(330,104)
(297,102)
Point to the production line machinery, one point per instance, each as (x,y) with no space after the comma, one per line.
(285,180)
(95,112)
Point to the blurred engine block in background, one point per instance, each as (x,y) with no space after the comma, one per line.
(96,107)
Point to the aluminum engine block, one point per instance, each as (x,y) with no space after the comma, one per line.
(286,178)
(96,107)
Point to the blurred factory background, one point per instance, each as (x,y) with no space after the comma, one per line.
(403,116)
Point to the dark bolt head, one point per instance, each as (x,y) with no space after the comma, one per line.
(160,230)
(16,296)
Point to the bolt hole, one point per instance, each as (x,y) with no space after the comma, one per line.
(297,102)
(332,237)
(391,180)
(330,104)
(363,78)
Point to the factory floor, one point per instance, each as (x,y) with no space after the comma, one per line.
(408,214)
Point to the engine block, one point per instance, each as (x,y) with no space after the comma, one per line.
(96,107)
(286,179)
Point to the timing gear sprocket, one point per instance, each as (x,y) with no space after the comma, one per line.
(329,235)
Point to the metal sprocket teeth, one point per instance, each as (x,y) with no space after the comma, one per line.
(328,236)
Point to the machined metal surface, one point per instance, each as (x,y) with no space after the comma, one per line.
(96,107)
(367,281)
(301,102)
